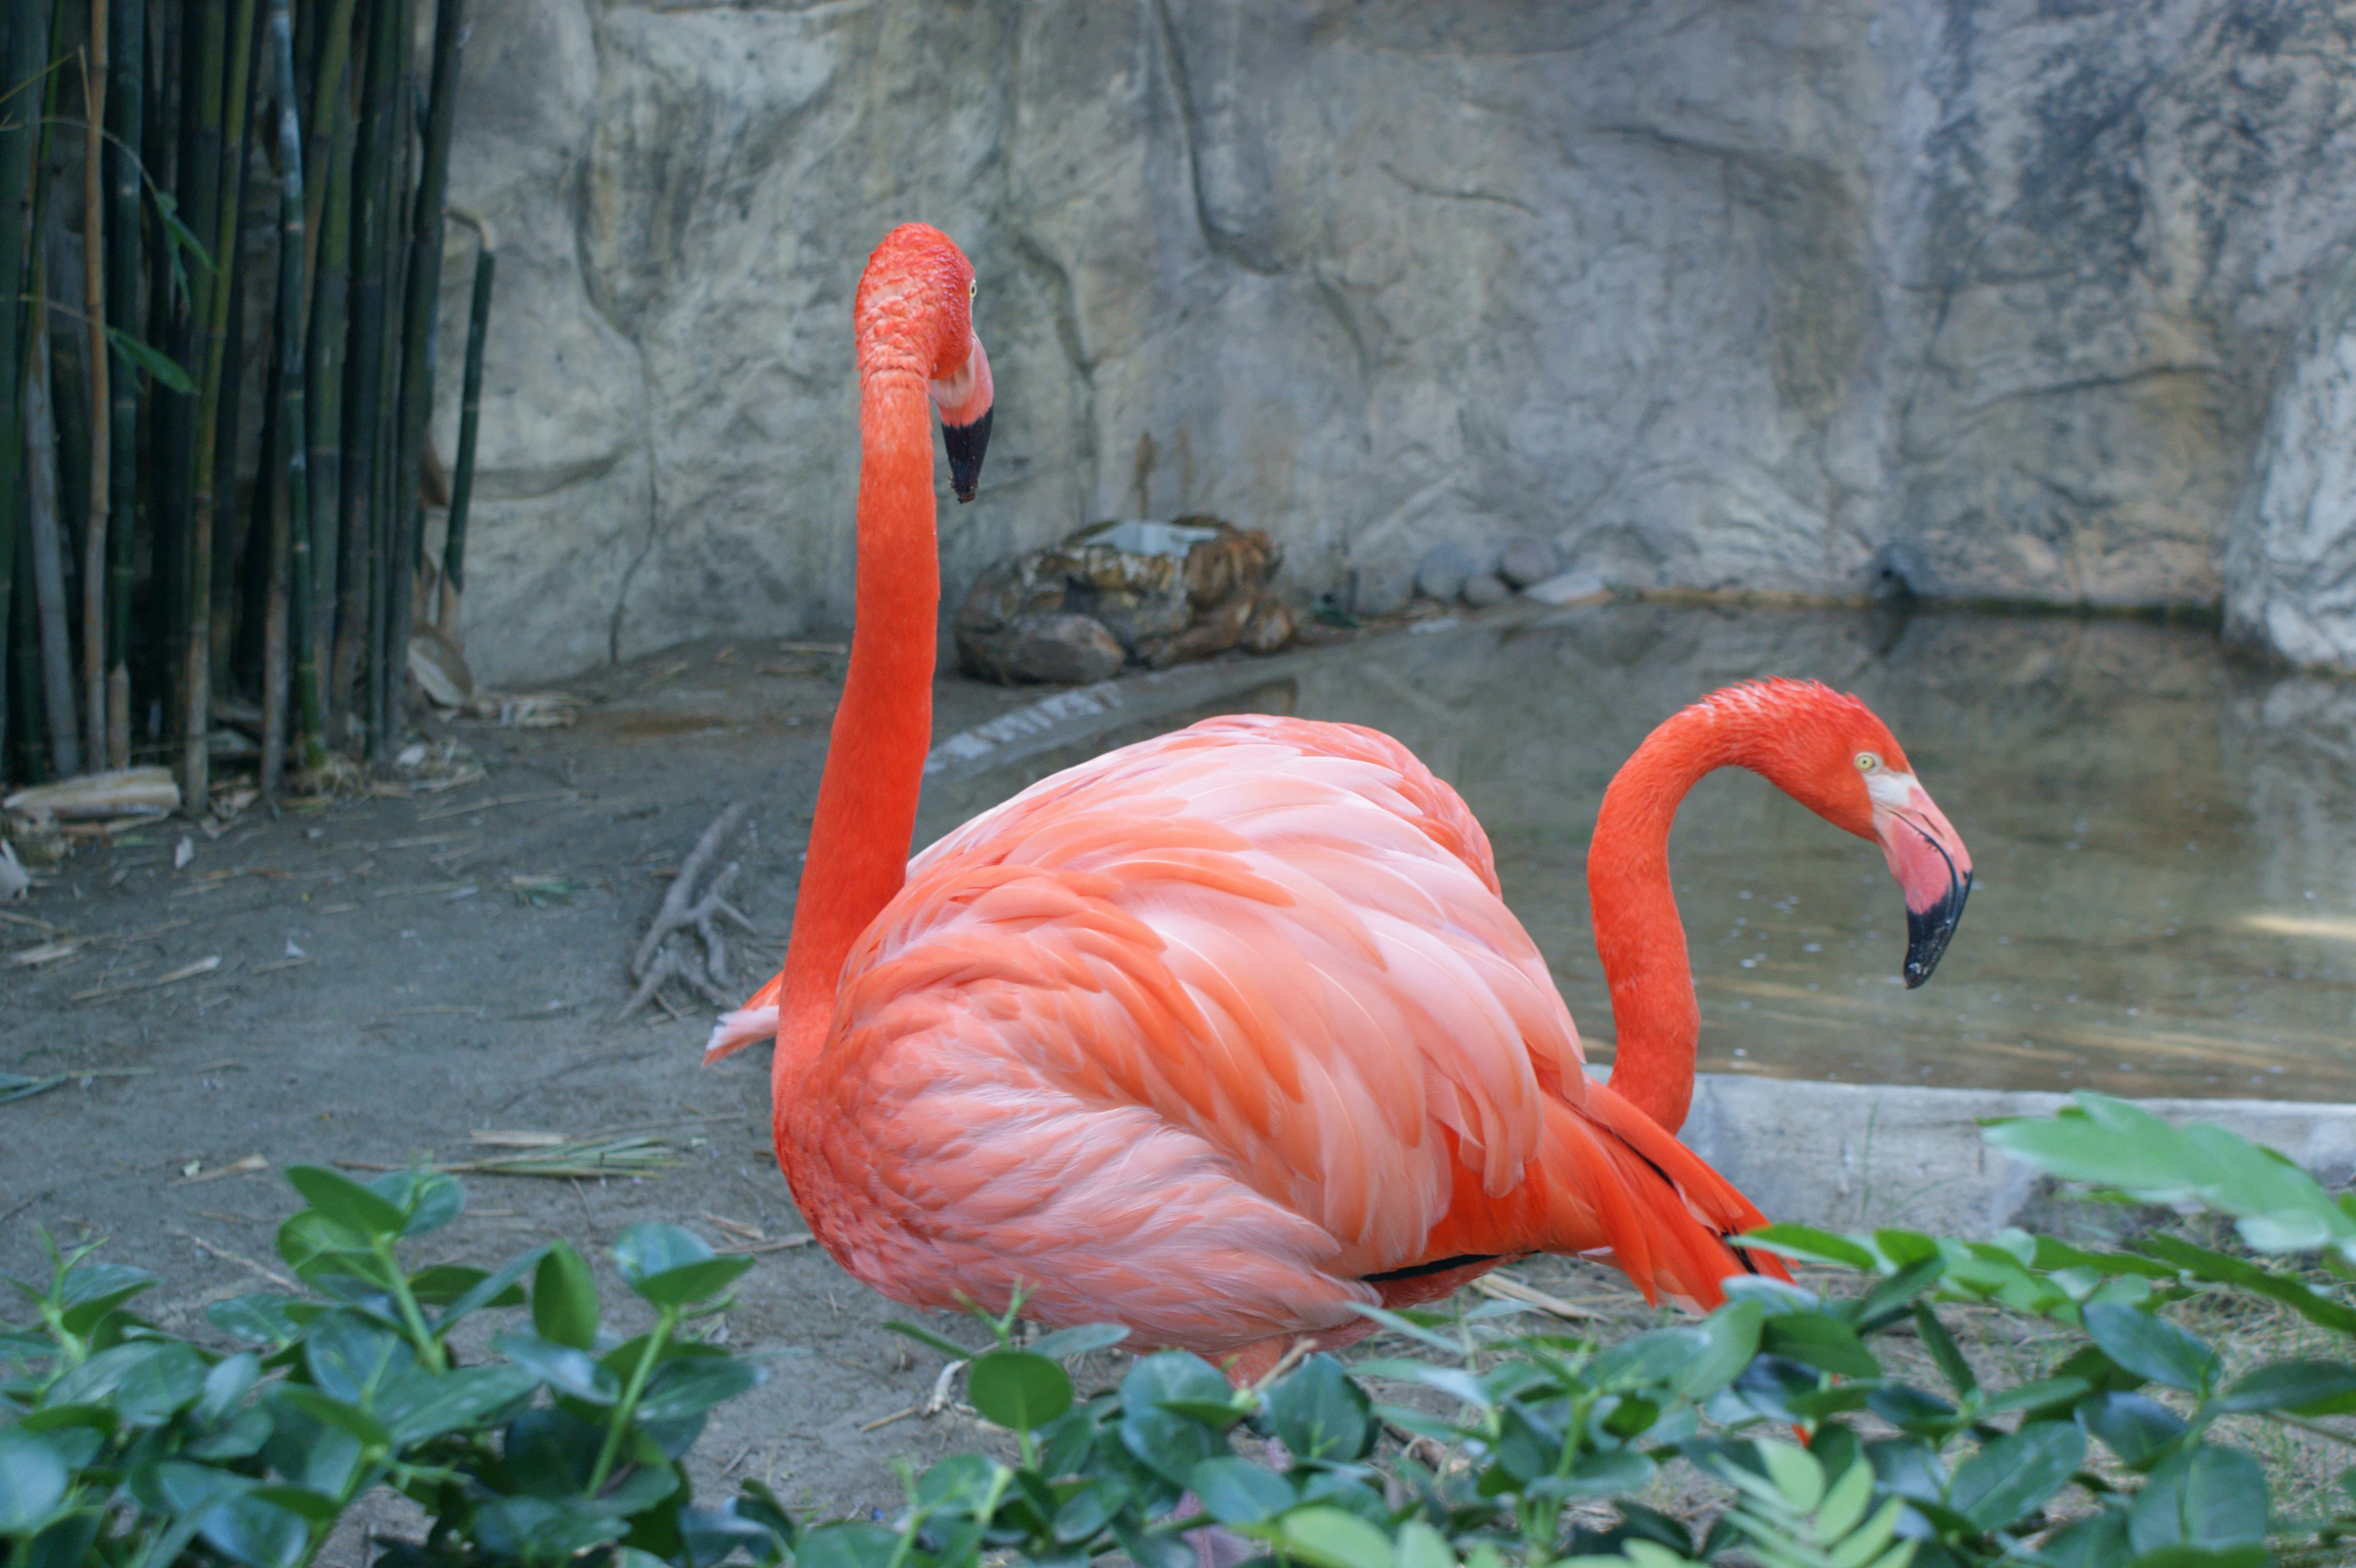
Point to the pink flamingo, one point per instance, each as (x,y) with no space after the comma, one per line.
(1227,1034)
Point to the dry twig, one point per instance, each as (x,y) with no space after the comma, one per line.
(684,909)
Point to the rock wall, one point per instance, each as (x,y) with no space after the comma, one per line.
(1791,295)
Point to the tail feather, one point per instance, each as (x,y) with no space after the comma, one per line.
(1667,1217)
(753,1022)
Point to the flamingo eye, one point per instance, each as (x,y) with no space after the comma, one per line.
(973,288)
(1867,763)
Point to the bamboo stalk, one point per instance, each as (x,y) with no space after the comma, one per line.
(290,551)
(470,406)
(423,302)
(23,642)
(40,436)
(335,598)
(127,63)
(101,430)
(331,54)
(28,52)
(360,635)
(48,558)
(233,530)
(204,99)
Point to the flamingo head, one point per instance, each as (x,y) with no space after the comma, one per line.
(914,309)
(1843,763)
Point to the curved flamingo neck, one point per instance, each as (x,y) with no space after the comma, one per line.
(875,755)
(1638,933)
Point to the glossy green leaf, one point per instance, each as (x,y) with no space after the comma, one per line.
(562,1367)
(348,1355)
(1319,1414)
(2017,1474)
(1329,1538)
(349,1419)
(2139,1430)
(564,1298)
(497,1289)
(2296,1388)
(653,1248)
(1066,1343)
(849,1545)
(345,1202)
(1164,1441)
(431,1199)
(154,361)
(1820,1340)
(417,1405)
(260,1534)
(1018,1389)
(1810,1245)
(536,1529)
(2153,1348)
(264,1317)
(1945,1353)
(691,1282)
(33,1480)
(2222,1268)
(2205,1496)
(679,1389)
(1236,1491)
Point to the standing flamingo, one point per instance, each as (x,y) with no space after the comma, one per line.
(1228,1034)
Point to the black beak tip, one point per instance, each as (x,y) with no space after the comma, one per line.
(1927,932)
(966,445)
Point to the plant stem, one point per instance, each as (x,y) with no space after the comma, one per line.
(666,1319)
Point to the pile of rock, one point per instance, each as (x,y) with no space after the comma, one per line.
(1153,593)
(1450,571)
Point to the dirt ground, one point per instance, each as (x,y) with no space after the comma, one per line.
(397,974)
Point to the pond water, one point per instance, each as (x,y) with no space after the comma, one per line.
(2164,837)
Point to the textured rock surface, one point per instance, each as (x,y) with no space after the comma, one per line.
(1769,295)
(2290,564)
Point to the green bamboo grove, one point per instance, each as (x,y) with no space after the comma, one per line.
(221,232)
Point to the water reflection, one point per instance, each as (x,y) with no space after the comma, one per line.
(2164,841)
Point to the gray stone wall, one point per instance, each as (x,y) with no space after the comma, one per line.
(1785,295)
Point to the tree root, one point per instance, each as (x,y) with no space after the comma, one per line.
(659,960)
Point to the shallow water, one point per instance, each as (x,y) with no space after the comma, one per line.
(2164,839)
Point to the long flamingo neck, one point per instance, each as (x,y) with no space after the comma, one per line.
(1638,933)
(875,756)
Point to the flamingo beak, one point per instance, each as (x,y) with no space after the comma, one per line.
(1932,868)
(965,398)
(966,445)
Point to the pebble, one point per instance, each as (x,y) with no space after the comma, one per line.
(1443,572)
(1526,560)
(1486,589)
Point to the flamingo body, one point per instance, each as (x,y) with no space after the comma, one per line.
(1199,1036)
(1227,1034)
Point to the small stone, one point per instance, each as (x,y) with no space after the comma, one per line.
(1381,588)
(1568,588)
(1271,627)
(1061,648)
(1440,574)
(1526,560)
(1486,589)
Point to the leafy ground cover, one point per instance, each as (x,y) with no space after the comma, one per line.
(2167,1402)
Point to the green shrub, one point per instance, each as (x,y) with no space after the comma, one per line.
(1791,1408)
